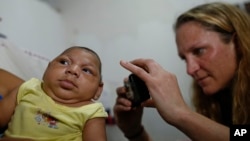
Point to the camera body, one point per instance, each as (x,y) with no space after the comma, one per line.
(137,91)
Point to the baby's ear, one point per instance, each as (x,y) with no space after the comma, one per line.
(96,96)
(99,91)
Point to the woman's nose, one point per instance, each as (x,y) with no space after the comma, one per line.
(192,67)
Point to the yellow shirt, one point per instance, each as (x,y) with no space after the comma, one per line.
(38,117)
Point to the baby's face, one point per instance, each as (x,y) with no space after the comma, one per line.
(73,78)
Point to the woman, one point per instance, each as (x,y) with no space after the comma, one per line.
(213,40)
(8,82)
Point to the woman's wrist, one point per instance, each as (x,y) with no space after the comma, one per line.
(136,134)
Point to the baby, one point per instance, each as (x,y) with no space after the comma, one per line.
(62,106)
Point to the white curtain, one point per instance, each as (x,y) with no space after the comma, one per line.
(23,63)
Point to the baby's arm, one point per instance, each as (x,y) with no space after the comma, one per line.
(95,130)
(7,107)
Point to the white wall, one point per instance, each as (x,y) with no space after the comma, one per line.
(33,25)
(116,29)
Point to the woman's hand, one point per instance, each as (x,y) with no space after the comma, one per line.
(127,118)
(163,88)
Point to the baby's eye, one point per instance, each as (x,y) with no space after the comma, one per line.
(64,62)
(87,70)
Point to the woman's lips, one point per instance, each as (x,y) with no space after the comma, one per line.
(201,81)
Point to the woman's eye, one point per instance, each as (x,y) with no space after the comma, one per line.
(199,51)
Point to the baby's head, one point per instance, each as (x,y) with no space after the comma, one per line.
(74,77)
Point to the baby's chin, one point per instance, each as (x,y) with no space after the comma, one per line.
(71,102)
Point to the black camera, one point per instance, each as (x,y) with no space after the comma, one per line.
(137,91)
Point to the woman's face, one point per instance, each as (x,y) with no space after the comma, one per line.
(210,61)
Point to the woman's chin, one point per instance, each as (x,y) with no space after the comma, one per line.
(209,91)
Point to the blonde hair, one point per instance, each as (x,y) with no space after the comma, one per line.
(230,23)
